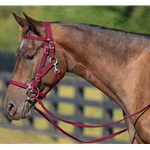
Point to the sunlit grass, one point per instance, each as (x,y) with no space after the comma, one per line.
(92,93)
(95,112)
(122,137)
(67,127)
(66,91)
(66,109)
(40,123)
(94,132)
(9,136)
(117,114)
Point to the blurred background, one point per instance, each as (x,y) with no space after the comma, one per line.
(73,98)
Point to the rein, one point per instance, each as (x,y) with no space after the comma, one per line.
(49,49)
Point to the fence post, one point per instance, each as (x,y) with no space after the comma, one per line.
(54,108)
(79,110)
(107,117)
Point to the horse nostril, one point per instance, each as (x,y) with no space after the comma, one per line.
(11,109)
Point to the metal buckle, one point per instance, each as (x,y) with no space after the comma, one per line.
(38,77)
(30,90)
(46,49)
(53,46)
(54,63)
(56,69)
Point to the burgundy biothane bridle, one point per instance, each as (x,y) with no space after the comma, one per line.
(49,49)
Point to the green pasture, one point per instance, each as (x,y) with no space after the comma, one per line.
(8,136)
(26,136)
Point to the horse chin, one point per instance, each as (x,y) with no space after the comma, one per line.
(26,112)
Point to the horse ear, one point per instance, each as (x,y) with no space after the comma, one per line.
(22,22)
(34,25)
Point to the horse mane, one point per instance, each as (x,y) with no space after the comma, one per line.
(105,28)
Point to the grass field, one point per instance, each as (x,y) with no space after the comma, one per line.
(8,136)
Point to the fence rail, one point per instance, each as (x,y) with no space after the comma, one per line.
(78,106)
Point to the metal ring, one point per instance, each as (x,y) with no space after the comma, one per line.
(30,90)
(54,59)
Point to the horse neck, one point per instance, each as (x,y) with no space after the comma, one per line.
(103,57)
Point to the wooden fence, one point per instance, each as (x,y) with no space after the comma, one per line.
(73,100)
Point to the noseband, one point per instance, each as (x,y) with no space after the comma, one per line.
(49,49)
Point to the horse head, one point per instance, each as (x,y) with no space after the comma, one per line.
(29,55)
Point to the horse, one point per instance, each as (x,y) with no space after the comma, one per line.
(114,61)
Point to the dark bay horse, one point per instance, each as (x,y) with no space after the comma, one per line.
(116,62)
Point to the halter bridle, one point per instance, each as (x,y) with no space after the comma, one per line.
(49,49)
(33,87)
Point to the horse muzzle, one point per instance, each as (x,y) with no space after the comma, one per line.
(16,114)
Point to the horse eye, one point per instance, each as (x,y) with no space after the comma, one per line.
(29,57)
